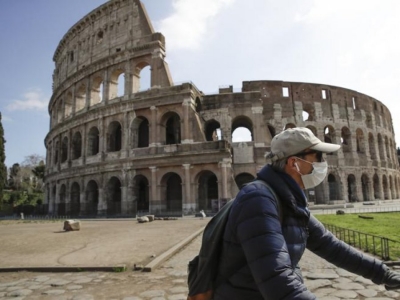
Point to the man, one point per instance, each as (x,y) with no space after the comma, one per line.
(266,236)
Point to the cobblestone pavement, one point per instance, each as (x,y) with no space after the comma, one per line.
(169,282)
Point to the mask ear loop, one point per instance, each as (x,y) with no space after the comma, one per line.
(297,167)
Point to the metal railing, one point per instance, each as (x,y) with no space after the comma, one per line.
(377,245)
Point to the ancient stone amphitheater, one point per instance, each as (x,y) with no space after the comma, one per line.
(116,149)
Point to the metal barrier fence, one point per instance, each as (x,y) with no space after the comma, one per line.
(380,246)
(375,209)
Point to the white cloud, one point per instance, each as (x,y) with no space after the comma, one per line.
(5,118)
(187,26)
(33,100)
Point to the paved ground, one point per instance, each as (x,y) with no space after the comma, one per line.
(105,240)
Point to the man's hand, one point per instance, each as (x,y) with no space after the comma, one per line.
(392,280)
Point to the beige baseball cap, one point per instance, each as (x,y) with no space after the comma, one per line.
(296,140)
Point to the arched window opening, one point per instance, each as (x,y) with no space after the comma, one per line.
(77,145)
(333,188)
(141,191)
(365,187)
(352,188)
(377,189)
(213,131)
(117,84)
(329,134)
(80,98)
(198,105)
(60,111)
(272,131)
(64,149)
(92,198)
(114,137)
(61,204)
(100,36)
(113,196)
(140,132)
(173,130)
(305,116)
(372,149)
(75,205)
(289,125)
(68,105)
(173,195)
(313,129)
(145,79)
(121,85)
(381,147)
(242,179)
(93,141)
(360,141)
(208,192)
(242,130)
(96,94)
(346,139)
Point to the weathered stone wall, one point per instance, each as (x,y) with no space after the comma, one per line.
(169,149)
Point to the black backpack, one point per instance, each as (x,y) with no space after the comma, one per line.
(203,268)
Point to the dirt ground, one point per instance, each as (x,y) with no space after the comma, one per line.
(98,243)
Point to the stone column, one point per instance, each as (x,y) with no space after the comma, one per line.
(258,136)
(102,205)
(187,203)
(153,127)
(82,199)
(226,163)
(186,126)
(88,93)
(106,88)
(155,202)
(128,80)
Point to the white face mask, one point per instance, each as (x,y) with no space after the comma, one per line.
(318,174)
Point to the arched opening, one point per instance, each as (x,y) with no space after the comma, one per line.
(113,196)
(75,205)
(372,149)
(61,203)
(114,137)
(242,179)
(96,94)
(385,187)
(329,134)
(64,150)
(333,187)
(172,129)
(141,191)
(92,198)
(242,129)
(173,192)
(145,78)
(213,130)
(360,141)
(208,191)
(140,132)
(60,112)
(352,188)
(198,105)
(289,125)
(346,139)
(117,84)
(93,141)
(308,112)
(76,145)
(272,130)
(80,97)
(377,189)
(68,105)
(313,129)
(365,187)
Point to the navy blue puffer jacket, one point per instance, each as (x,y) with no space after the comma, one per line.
(261,250)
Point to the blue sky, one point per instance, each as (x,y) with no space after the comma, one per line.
(351,44)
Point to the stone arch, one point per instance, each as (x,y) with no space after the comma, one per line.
(96,94)
(77,145)
(113,196)
(308,112)
(141,192)
(64,149)
(381,147)
(242,129)
(115,83)
(141,79)
(172,194)
(272,130)
(93,142)
(333,187)
(207,190)
(243,178)
(365,182)
(62,196)
(313,129)
(352,188)
(140,133)
(329,134)
(289,125)
(68,104)
(385,187)
(212,127)
(91,197)
(346,139)
(198,105)
(172,125)
(60,112)
(377,188)
(75,202)
(80,97)
(360,141)
(372,149)
(114,137)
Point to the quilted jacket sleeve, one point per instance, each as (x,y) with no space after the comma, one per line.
(259,232)
(323,243)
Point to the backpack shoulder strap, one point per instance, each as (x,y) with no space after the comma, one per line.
(278,201)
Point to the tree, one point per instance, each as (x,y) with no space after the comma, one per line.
(3,169)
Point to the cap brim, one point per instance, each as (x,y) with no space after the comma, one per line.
(326,147)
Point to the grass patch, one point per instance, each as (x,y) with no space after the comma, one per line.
(382,225)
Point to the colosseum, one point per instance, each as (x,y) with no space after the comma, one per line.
(115,148)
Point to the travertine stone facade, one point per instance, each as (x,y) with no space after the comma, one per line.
(114,149)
